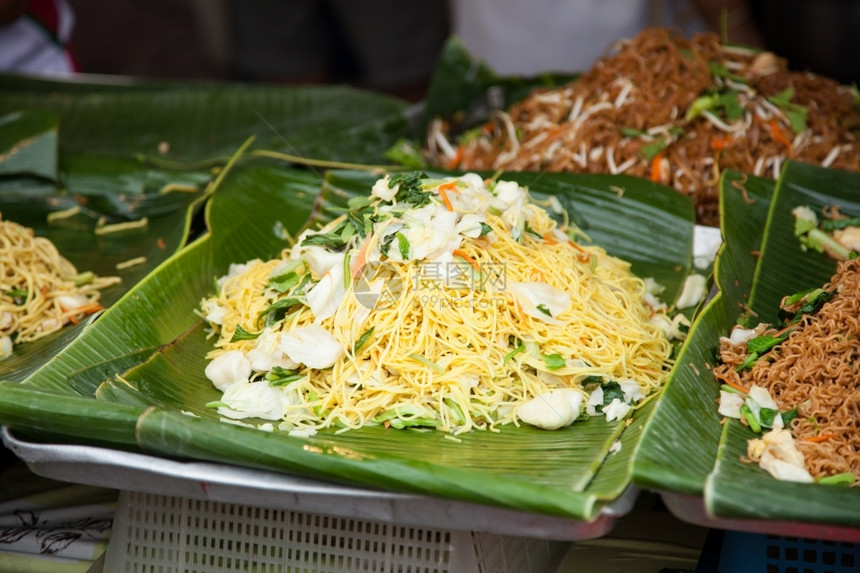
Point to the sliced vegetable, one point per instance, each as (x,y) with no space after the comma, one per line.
(554,361)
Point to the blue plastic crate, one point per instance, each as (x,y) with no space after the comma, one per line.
(759,553)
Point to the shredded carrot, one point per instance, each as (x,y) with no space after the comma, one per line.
(465,256)
(549,240)
(443,192)
(584,255)
(731,383)
(86,310)
(657,167)
(361,258)
(455,161)
(719,143)
(781,137)
(161,244)
(819,438)
(783,330)
(523,318)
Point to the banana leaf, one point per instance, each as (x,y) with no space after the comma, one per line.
(679,445)
(36,183)
(559,473)
(465,90)
(28,144)
(740,490)
(186,121)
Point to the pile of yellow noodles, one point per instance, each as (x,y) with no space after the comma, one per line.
(33,279)
(463,333)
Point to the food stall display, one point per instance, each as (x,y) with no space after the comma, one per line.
(490,300)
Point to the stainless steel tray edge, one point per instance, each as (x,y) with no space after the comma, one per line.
(692,509)
(131,471)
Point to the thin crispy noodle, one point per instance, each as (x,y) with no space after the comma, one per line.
(816,369)
(636,100)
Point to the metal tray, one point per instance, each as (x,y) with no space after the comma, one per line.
(130,471)
(692,509)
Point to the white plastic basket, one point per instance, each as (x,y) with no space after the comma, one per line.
(164,534)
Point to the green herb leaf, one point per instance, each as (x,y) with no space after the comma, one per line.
(427,361)
(242,334)
(528,229)
(279,372)
(799,296)
(362,219)
(592,379)
(83,278)
(513,353)
(761,344)
(795,112)
(612,390)
(359,202)
(485,229)
(835,224)
(554,361)
(813,300)
(750,418)
(730,104)
(277,310)
(331,241)
(789,416)
(403,245)
(362,340)
(699,105)
(400,423)
(283,283)
(749,361)
(797,120)
(405,152)
(456,412)
(650,151)
(767,416)
(410,190)
(280,376)
(385,244)
(286,379)
(17,293)
(843,479)
(720,71)
(544,309)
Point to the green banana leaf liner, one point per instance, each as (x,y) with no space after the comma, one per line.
(147,375)
(36,182)
(743,490)
(168,122)
(679,445)
(465,90)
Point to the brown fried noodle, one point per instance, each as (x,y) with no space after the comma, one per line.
(648,86)
(816,369)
